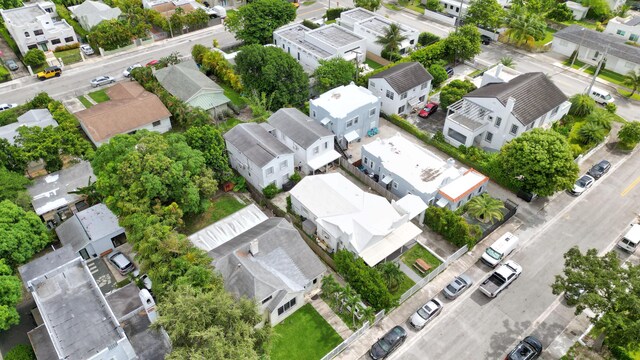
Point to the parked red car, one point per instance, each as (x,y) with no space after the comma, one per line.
(428,109)
(153,62)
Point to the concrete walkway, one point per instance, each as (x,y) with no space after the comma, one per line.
(334,320)
(409,272)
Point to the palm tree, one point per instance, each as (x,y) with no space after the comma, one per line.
(525,29)
(508,62)
(391,273)
(600,118)
(581,105)
(368,314)
(485,208)
(632,80)
(591,133)
(391,39)
(353,304)
(344,294)
(330,288)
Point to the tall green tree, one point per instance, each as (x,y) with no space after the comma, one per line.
(209,141)
(541,160)
(12,157)
(271,71)
(333,73)
(391,38)
(110,34)
(610,290)
(485,208)
(632,80)
(391,273)
(34,57)
(367,281)
(524,28)
(135,17)
(255,22)
(10,4)
(629,134)
(13,187)
(560,12)
(598,9)
(10,296)
(486,13)
(22,234)
(454,91)
(371,5)
(212,325)
(439,74)
(136,172)
(463,44)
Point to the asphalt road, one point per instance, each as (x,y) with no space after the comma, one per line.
(476,327)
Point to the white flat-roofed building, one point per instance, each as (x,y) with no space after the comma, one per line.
(326,42)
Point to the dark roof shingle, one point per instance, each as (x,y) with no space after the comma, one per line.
(404,76)
(300,128)
(256,143)
(595,40)
(534,93)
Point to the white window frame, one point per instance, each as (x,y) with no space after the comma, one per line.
(512,131)
(269,170)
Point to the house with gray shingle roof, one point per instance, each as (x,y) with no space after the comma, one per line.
(501,110)
(269,263)
(36,117)
(91,13)
(258,156)
(592,45)
(186,82)
(401,88)
(311,142)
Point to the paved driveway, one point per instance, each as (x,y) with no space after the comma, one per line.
(101,274)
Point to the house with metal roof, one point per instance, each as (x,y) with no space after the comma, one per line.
(258,156)
(311,142)
(309,46)
(76,321)
(404,167)
(52,195)
(501,110)
(346,217)
(186,82)
(91,13)
(401,88)
(349,111)
(592,45)
(92,232)
(36,117)
(264,259)
(371,26)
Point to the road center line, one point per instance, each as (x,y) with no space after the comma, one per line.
(630,187)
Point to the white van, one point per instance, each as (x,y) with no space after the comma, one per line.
(631,239)
(602,97)
(500,249)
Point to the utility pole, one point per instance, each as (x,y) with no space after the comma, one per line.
(579,47)
(595,74)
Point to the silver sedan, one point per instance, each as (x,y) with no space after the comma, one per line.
(102,80)
(457,286)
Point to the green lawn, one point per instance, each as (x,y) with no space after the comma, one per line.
(419,252)
(372,64)
(85,102)
(69,56)
(307,3)
(303,335)
(228,124)
(235,98)
(391,6)
(548,36)
(99,96)
(576,64)
(217,209)
(626,94)
(608,75)
(417,7)
(583,23)
(405,285)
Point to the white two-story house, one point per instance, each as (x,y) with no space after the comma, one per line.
(311,142)
(499,111)
(258,156)
(350,112)
(371,26)
(627,28)
(401,88)
(309,46)
(33,27)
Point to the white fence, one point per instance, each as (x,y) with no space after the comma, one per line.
(351,339)
(440,17)
(435,272)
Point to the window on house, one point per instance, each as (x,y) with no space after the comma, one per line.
(620,32)
(156,123)
(555,110)
(315,280)
(270,170)
(316,150)
(372,84)
(457,9)
(498,121)
(288,305)
(390,94)
(401,109)
(313,113)
(275,41)
(267,299)
(295,147)
(288,49)
(424,86)
(349,123)
(326,144)
(372,112)
(421,98)
(633,37)
(403,96)
(372,164)
(395,185)
(355,120)
(284,164)
(298,56)
(514,129)
(38,32)
(26,34)
(69,39)
(55,41)
(49,10)
(365,160)
(488,137)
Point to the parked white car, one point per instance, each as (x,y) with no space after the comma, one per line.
(4,107)
(102,80)
(425,314)
(127,71)
(86,49)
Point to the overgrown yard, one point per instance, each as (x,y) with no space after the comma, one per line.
(235,98)
(303,335)
(228,124)
(69,56)
(217,208)
(580,141)
(548,37)
(608,75)
(99,96)
(420,252)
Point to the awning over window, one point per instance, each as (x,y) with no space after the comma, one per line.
(325,121)
(414,102)
(386,180)
(352,135)
(323,159)
(442,202)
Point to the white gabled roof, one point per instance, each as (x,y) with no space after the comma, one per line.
(227,228)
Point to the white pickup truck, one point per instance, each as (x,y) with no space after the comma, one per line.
(501,278)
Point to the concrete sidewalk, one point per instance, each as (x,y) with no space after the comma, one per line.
(334,320)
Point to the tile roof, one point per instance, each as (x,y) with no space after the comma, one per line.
(256,143)
(300,128)
(534,93)
(130,107)
(404,76)
(599,41)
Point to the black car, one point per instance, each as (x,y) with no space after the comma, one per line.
(528,349)
(449,70)
(388,343)
(599,169)
(485,40)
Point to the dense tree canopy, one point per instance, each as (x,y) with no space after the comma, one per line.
(110,34)
(135,172)
(333,73)
(610,290)
(629,134)
(371,5)
(10,296)
(22,234)
(541,160)
(272,71)
(255,22)
(560,12)
(34,57)
(454,91)
(486,13)
(367,281)
(209,141)
(524,27)
(10,4)
(13,187)
(464,43)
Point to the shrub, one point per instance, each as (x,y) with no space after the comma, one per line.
(295,177)
(391,55)
(611,107)
(197,53)
(367,281)
(310,24)
(454,91)
(434,5)
(334,13)
(439,75)
(66,47)
(427,38)
(629,134)
(20,352)
(452,227)
(213,62)
(34,58)
(289,206)
(581,105)
(561,12)
(270,191)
